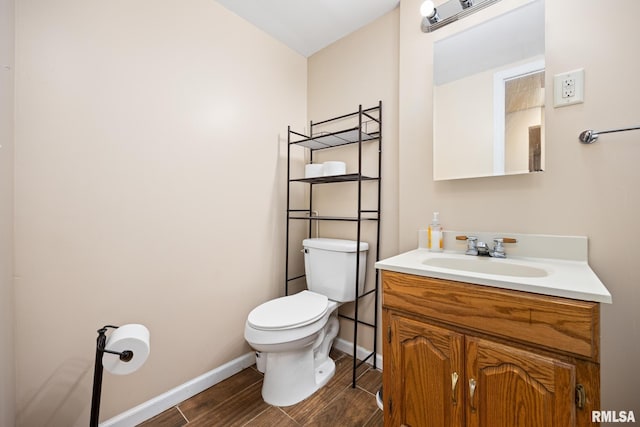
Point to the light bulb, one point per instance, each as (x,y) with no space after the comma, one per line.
(427,9)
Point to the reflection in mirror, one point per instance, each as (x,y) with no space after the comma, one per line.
(488,94)
(518,119)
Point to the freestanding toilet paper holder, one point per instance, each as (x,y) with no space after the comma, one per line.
(125,356)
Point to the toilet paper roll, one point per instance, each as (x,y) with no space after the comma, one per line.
(313,170)
(334,168)
(131,337)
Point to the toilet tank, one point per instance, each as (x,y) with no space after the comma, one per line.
(330,267)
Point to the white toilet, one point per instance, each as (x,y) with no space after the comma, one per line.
(294,334)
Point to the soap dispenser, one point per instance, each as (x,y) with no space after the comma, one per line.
(435,234)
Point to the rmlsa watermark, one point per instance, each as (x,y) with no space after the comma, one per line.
(613,417)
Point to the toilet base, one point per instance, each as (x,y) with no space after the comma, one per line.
(325,372)
(290,377)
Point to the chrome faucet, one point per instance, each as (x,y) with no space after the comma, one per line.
(476,248)
(472,241)
(498,249)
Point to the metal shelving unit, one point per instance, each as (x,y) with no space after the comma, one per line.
(326,140)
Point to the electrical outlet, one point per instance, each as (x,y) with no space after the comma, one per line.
(568,88)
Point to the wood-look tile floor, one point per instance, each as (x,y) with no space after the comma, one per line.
(237,401)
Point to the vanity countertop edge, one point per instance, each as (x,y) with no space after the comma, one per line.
(566,278)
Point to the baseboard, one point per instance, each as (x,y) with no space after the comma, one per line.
(361,352)
(161,403)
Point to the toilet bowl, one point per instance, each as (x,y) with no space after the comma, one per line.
(297,351)
(294,334)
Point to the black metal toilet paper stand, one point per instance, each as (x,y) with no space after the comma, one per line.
(125,356)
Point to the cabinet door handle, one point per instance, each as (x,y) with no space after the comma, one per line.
(581,396)
(472,392)
(454,386)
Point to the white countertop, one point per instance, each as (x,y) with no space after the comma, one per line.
(564,278)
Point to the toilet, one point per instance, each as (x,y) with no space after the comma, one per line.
(292,335)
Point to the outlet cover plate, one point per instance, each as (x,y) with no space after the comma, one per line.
(568,88)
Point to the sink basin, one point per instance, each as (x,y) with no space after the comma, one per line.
(563,271)
(483,265)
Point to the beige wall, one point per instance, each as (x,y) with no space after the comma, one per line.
(361,68)
(585,190)
(7,376)
(150,170)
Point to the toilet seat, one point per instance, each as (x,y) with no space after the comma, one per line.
(289,312)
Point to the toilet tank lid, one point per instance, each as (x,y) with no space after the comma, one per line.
(337,245)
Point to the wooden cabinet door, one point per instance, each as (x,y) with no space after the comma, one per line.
(424,368)
(517,388)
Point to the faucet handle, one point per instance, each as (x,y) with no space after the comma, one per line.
(459,237)
(498,247)
(472,248)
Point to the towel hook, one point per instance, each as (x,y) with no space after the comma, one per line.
(590,136)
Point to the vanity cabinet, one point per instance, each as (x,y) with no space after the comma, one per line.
(458,354)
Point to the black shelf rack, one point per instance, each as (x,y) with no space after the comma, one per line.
(355,135)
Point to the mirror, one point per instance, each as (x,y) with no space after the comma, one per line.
(488,95)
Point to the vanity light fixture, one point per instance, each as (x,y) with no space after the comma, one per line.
(429,12)
(448,12)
